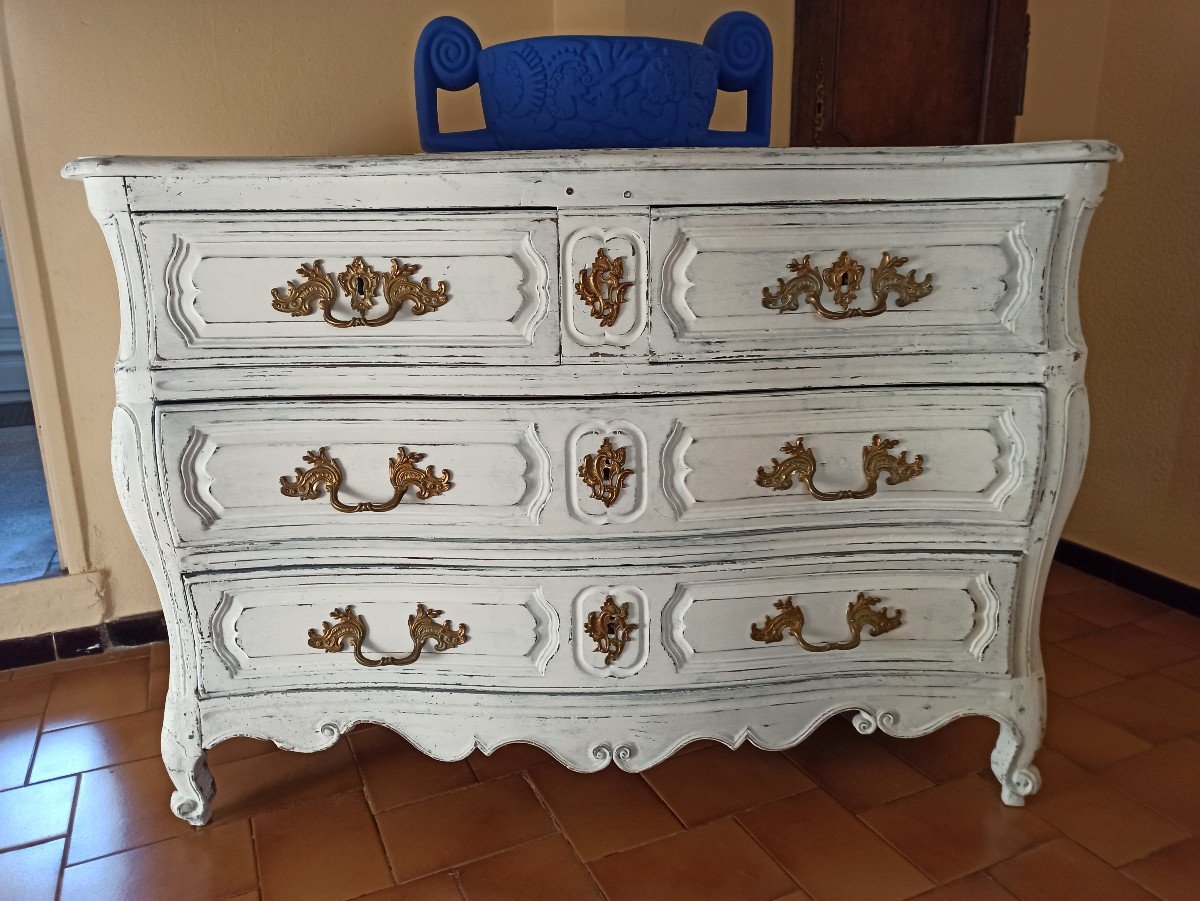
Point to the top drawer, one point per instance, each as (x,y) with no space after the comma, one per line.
(801,281)
(443,287)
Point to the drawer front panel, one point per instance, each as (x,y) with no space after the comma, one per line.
(608,469)
(228,289)
(540,630)
(725,284)
(888,613)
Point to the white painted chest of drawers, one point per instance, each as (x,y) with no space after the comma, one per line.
(692,444)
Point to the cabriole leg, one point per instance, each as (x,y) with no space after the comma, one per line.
(187,765)
(1012,758)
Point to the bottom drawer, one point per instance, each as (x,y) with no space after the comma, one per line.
(567,629)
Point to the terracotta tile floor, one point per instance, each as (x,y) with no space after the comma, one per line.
(83,798)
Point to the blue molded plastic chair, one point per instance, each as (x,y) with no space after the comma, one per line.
(568,91)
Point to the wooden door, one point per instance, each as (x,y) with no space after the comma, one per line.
(873,73)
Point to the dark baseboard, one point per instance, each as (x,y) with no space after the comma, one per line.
(1127,575)
(129,631)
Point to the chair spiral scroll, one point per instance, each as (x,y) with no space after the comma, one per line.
(325,472)
(361,284)
(800,465)
(844,280)
(601,289)
(860,614)
(350,626)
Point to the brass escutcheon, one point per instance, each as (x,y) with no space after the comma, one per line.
(602,289)
(610,629)
(349,626)
(604,472)
(860,614)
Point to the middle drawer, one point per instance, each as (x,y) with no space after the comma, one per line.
(557,470)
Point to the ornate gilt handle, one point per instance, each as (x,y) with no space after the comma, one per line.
(844,279)
(860,614)
(349,626)
(326,472)
(800,464)
(602,289)
(361,285)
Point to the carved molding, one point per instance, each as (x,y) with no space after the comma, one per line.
(631,322)
(204,238)
(196,481)
(583,440)
(675,469)
(224,639)
(1005,225)
(199,491)
(747,659)
(586,744)
(636,652)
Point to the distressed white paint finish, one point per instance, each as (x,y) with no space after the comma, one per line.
(211,279)
(508,387)
(515,465)
(625,237)
(987,262)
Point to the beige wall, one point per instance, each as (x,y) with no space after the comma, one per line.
(219,78)
(1107,68)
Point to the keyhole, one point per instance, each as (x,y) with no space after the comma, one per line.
(612,630)
(360,285)
(606,472)
(845,279)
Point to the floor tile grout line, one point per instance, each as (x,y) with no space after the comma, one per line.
(258,880)
(451,791)
(453,868)
(562,832)
(462,889)
(917,866)
(37,742)
(62,864)
(767,851)
(667,804)
(370,810)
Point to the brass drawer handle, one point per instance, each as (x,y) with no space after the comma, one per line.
(324,471)
(860,614)
(610,629)
(604,472)
(352,627)
(602,289)
(802,465)
(361,285)
(844,278)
